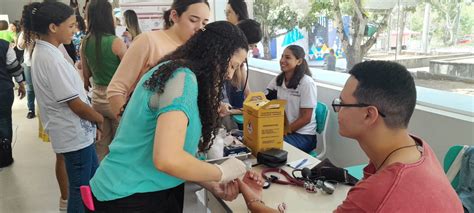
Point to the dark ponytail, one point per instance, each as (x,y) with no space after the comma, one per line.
(300,70)
(37,17)
(26,21)
(166,17)
(180,6)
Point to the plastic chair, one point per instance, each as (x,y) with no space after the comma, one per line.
(448,162)
(239,119)
(322,120)
(357,171)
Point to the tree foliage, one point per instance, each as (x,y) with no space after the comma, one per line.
(467,20)
(449,12)
(357,45)
(276,18)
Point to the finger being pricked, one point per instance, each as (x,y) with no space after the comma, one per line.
(255,177)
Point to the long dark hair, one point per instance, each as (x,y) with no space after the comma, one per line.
(81,24)
(37,17)
(100,22)
(300,70)
(180,6)
(240,8)
(131,21)
(207,54)
(16,23)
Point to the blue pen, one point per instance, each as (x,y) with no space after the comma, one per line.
(301,163)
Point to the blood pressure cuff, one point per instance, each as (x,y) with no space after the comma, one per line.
(270,94)
(272,157)
(327,171)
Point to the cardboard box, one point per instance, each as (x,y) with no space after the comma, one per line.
(263,122)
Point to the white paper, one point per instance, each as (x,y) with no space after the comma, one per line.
(297,162)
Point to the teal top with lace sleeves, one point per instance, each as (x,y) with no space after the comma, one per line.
(129,168)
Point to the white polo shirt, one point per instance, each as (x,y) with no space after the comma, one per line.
(304,96)
(56,82)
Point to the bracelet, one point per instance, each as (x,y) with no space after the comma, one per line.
(253,201)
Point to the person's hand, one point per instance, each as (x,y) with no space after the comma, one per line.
(99,125)
(251,186)
(78,65)
(224,109)
(21,90)
(231,169)
(128,35)
(98,133)
(87,84)
(227,192)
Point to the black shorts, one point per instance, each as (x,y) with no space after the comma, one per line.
(169,200)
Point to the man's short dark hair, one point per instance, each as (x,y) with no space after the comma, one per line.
(389,87)
(3,25)
(251,29)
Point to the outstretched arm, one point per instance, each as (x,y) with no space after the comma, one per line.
(251,188)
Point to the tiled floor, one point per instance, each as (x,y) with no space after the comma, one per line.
(29,184)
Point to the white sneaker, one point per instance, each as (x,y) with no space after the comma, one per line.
(62,204)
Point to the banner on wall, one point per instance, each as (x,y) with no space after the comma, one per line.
(150,14)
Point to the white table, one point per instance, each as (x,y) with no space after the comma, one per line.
(296,198)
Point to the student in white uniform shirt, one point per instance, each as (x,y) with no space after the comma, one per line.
(66,113)
(295,85)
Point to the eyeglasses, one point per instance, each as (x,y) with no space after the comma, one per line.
(337,104)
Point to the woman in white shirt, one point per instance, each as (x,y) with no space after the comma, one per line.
(295,85)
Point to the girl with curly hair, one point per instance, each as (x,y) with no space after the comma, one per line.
(171,114)
(181,21)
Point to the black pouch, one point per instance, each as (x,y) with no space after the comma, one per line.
(328,171)
(272,157)
(5,153)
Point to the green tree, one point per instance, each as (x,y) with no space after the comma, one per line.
(467,20)
(274,16)
(449,11)
(416,20)
(357,45)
